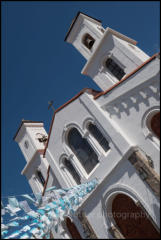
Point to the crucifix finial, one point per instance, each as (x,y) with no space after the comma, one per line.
(50,103)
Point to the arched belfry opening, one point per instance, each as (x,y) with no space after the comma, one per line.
(88,40)
(72,229)
(132,221)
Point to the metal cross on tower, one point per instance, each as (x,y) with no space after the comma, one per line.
(50,103)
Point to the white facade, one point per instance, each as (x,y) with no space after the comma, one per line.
(122,112)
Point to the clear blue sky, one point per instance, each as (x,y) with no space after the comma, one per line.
(37,65)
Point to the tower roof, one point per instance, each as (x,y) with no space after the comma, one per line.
(25,121)
(75,19)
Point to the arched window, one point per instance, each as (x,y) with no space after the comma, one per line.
(114,68)
(88,41)
(41,178)
(82,149)
(69,166)
(155,124)
(96,133)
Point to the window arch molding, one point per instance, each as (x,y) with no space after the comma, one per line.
(115,68)
(145,124)
(95,142)
(103,68)
(85,157)
(102,59)
(66,130)
(105,57)
(120,189)
(112,193)
(61,160)
(110,54)
(71,178)
(86,122)
(85,126)
(69,151)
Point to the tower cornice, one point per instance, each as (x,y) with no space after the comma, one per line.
(23,122)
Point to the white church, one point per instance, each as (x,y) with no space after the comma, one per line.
(112,135)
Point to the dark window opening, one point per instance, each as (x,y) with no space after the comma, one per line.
(72,229)
(41,178)
(42,138)
(26,144)
(155,124)
(115,69)
(98,136)
(72,171)
(88,41)
(82,149)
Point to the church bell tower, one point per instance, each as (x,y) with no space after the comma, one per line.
(31,137)
(110,55)
(85,34)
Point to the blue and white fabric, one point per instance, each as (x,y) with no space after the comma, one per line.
(35,218)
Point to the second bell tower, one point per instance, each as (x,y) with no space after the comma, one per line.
(84,34)
(110,55)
